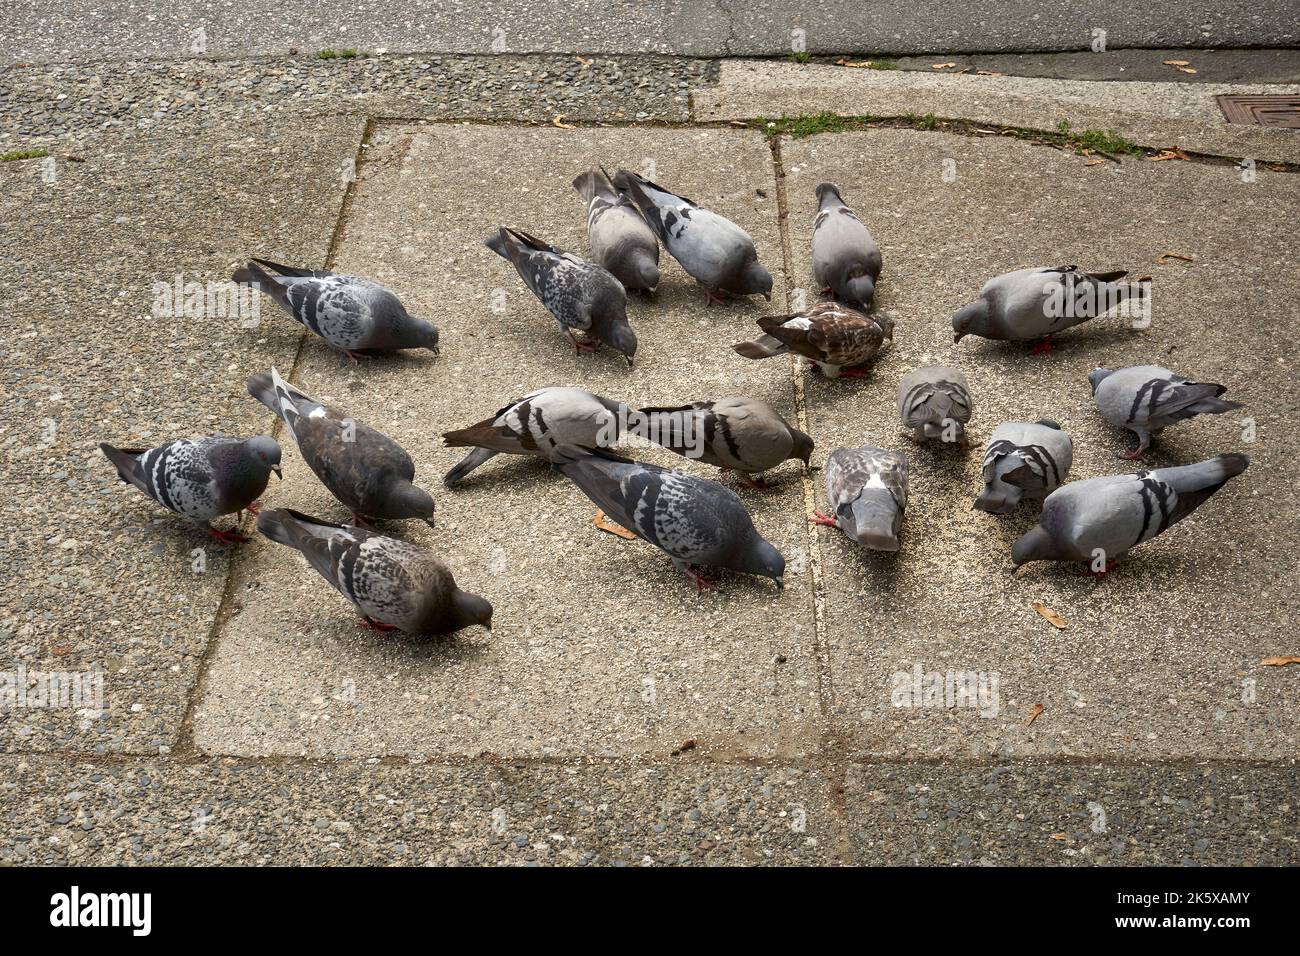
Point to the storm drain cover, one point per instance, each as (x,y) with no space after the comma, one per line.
(1282,110)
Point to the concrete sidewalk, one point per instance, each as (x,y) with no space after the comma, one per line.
(613,715)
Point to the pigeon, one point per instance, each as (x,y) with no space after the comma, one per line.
(364,469)
(713,250)
(392,583)
(1037,303)
(1147,398)
(535,424)
(934,402)
(354,315)
(619,238)
(846,260)
(1024,459)
(1102,518)
(867,491)
(580,294)
(695,521)
(838,340)
(201,478)
(741,434)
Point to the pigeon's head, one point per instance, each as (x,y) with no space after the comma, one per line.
(472,609)
(756,280)
(622,338)
(645,271)
(761,558)
(1034,545)
(1096,377)
(861,289)
(971,319)
(873,520)
(424,335)
(264,450)
(828,189)
(803,447)
(408,501)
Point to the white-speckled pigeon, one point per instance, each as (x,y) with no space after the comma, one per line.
(695,521)
(867,491)
(534,425)
(934,402)
(619,238)
(363,468)
(738,433)
(354,315)
(1024,460)
(846,260)
(201,478)
(839,340)
(392,583)
(1147,398)
(1102,518)
(713,250)
(581,295)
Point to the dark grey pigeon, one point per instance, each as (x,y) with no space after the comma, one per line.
(846,260)
(581,295)
(1037,303)
(696,522)
(201,478)
(392,583)
(713,250)
(1024,460)
(619,238)
(354,315)
(1100,519)
(934,402)
(867,491)
(534,425)
(1147,398)
(363,468)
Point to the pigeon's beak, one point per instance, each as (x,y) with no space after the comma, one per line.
(780,584)
(768,296)
(958,337)
(629,361)
(428,521)
(279,473)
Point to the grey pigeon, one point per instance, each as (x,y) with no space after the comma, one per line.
(934,402)
(363,468)
(713,250)
(1038,303)
(354,315)
(201,478)
(1102,518)
(695,521)
(619,238)
(1147,398)
(392,583)
(867,491)
(738,433)
(581,295)
(838,340)
(846,260)
(1024,460)
(534,425)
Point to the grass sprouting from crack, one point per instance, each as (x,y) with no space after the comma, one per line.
(345,54)
(1096,140)
(23,154)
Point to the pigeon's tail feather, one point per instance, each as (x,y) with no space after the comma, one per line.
(467,464)
(127,463)
(765,346)
(1195,483)
(287,270)
(286,526)
(253,274)
(1215,405)
(262,388)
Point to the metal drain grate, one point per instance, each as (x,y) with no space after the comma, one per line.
(1282,110)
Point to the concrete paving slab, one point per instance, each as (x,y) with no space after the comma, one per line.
(1151,114)
(598,646)
(1162,657)
(98,578)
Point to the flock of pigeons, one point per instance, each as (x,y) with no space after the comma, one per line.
(697,522)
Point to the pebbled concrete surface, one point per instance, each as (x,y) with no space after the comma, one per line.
(1211,66)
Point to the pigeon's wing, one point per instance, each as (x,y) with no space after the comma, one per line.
(841,244)
(560,280)
(845,340)
(539,421)
(1159,401)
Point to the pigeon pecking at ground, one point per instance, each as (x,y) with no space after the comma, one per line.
(740,434)
(846,260)
(867,491)
(202,478)
(1037,303)
(354,315)
(620,240)
(1024,460)
(581,295)
(839,340)
(1100,519)
(713,250)
(364,469)
(695,521)
(534,425)
(1147,398)
(392,583)
(934,402)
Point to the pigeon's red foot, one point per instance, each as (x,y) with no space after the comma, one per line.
(713,298)
(580,345)
(855,371)
(355,356)
(361,521)
(1110,566)
(226,537)
(1043,347)
(758,484)
(370,625)
(254,508)
(1136,454)
(823,519)
(827,291)
(700,581)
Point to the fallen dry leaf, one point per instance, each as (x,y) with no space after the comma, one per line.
(557,122)
(1185,69)
(1095,162)
(988,73)
(604,524)
(941,66)
(1279,661)
(1175,62)
(1058,836)
(585,62)
(1033,714)
(1164,257)
(61,650)
(1048,614)
(1169,154)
